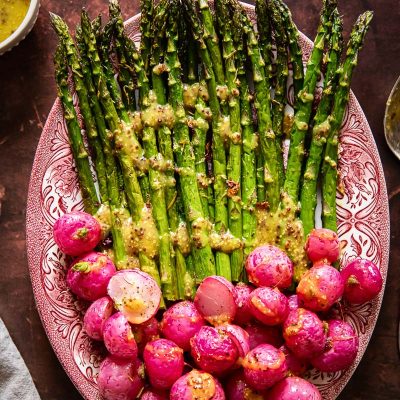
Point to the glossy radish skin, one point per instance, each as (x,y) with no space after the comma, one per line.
(152,394)
(362,281)
(239,336)
(268,306)
(269,266)
(164,363)
(118,379)
(293,302)
(215,300)
(260,334)
(241,295)
(294,388)
(295,365)
(197,385)
(304,334)
(236,388)
(323,245)
(96,316)
(264,366)
(89,276)
(77,233)
(320,288)
(341,349)
(145,333)
(181,322)
(136,294)
(118,337)
(214,350)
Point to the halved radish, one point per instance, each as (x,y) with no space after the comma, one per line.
(239,336)
(215,300)
(136,294)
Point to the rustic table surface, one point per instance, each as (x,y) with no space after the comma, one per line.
(27,92)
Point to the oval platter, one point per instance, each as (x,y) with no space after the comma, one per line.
(363,215)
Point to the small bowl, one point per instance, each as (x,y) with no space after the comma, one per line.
(23,29)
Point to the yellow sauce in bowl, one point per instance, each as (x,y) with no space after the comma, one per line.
(12,13)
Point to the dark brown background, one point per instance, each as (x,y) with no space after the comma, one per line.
(27,92)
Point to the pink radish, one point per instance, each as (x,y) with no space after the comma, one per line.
(362,280)
(239,336)
(341,350)
(323,245)
(152,394)
(119,379)
(118,337)
(241,295)
(95,317)
(89,276)
(294,388)
(260,334)
(264,366)
(320,288)
(293,302)
(164,363)
(181,322)
(236,388)
(295,366)
(136,294)
(214,350)
(304,334)
(215,300)
(268,306)
(77,233)
(145,333)
(269,266)
(197,385)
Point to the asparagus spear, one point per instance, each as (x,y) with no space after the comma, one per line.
(125,147)
(281,75)
(104,47)
(329,168)
(235,148)
(146,7)
(168,274)
(219,158)
(185,280)
(295,52)
(306,97)
(262,104)
(198,225)
(249,183)
(81,157)
(321,128)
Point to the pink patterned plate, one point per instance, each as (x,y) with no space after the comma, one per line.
(363,226)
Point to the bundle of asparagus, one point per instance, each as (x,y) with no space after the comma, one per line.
(188,158)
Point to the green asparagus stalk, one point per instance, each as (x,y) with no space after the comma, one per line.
(104,47)
(79,152)
(321,128)
(126,72)
(281,75)
(146,7)
(329,168)
(249,182)
(235,147)
(124,145)
(185,279)
(116,198)
(168,274)
(295,52)
(306,97)
(66,40)
(262,104)
(198,225)
(219,158)
(265,35)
